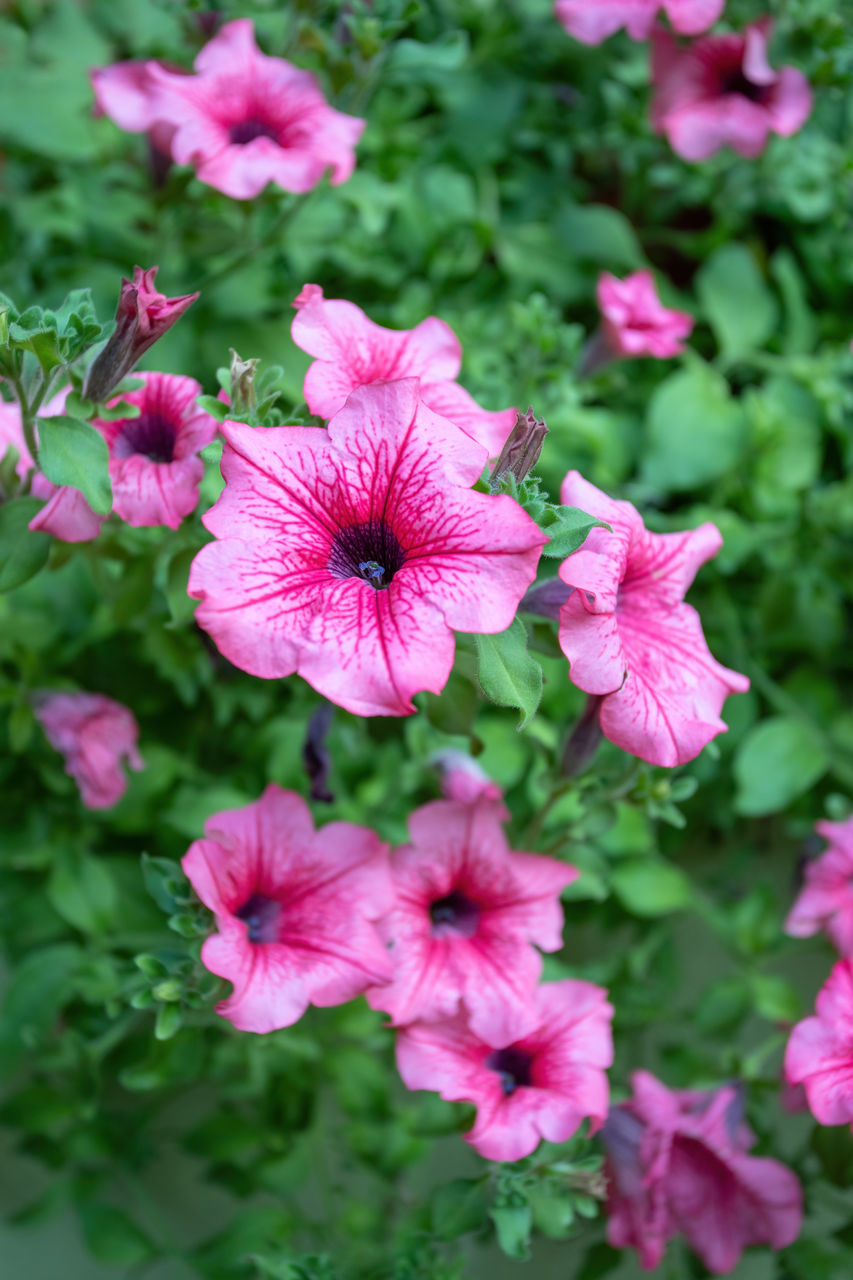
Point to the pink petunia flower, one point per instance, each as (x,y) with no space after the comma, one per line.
(467,913)
(826,899)
(154,464)
(542,1081)
(351,555)
(677,1163)
(463,779)
(592,21)
(629,635)
(353,352)
(96,736)
(66,513)
(819,1055)
(127,94)
(721,91)
(294,909)
(635,321)
(243,120)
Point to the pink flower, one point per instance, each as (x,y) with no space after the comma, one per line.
(127,94)
(294,909)
(154,464)
(677,1163)
(464,780)
(635,321)
(594,20)
(95,735)
(244,119)
(350,555)
(629,635)
(721,91)
(353,352)
(467,913)
(143,315)
(826,899)
(820,1051)
(66,513)
(540,1082)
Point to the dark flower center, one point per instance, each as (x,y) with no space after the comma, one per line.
(247,130)
(261,914)
(513,1066)
(150,434)
(736,82)
(454,914)
(369,551)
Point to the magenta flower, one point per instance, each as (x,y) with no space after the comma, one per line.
(542,1081)
(353,352)
(635,321)
(143,315)
(154,464)
(826,899)
(351,555)
(721,91)
(294,909)
(820,1050)
(592,21)
(464,780)
(96,736)
(467,913)
(66,514)
(244,120)
(677,1164)
(630,637)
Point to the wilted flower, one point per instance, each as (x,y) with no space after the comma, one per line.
(820,1051)
(294,909)
(351,555)
(721,91)
(629,635)
(96,736)
(592,21)
(353,352)
(142,317)
(541,1081)
(635,321)
(826,899)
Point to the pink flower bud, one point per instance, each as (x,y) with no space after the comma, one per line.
(521,450)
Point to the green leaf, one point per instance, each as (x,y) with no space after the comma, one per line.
(181,605)
(597,233)
(82,891)
(458,1207)
(38,988)
(695,432)
(775,998)
(112,1237)
(741,309)
(22,553)
(567,528)
(507,673)
(72,452)
(512,1226)
(650,886)
(777,761)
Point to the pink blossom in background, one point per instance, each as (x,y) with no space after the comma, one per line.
(629,635)
(96,736)
(154,464)
(721,91)
(467,913)
(351,555)
(353,352)
(677,1163)
(592,21)
(294,907)
(243,120)
(463,779)
(826,899)
(66,513)
(143,315)
(542,1081)
(820,1050)
(635,322)
(126,93)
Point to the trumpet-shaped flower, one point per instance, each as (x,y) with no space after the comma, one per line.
(541,1081)
(350,555)
(96,736)
(154,464)
(353,352)
(592,21)
(820,1050)
(294,909)
(677,1163)
(467,913)
(463,779)
(721,91)
(826,899)
(635,321)
(630,637)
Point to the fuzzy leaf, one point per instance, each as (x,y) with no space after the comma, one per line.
(72,452)
(567,528)
(22,553)
(508,674)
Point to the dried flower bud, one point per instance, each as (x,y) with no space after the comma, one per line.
(522,449)
(546,599)
(143,315)
(584,739)
(243,398)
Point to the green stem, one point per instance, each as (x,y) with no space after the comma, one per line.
(245,255)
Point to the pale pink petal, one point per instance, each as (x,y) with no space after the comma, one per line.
(68,516)
(97,736)
(790,103)
(146,493)
(453,402)
(125,92)
(690,17)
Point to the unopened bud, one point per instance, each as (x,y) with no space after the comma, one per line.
(243,398)
(584,739)
(521,452)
